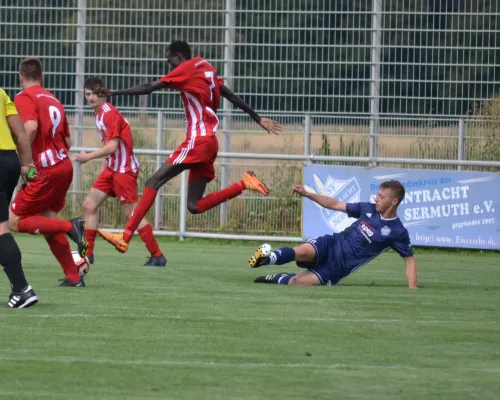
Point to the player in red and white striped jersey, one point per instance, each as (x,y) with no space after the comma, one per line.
(119,175)
(111,124)
(200,91)
(35,208)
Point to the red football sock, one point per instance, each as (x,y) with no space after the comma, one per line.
(146,234)
(140,210)
(90,235)
(214,199)
(59,246)
(41,225)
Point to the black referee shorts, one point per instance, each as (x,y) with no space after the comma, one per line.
(10,169)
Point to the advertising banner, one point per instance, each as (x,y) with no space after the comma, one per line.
(441,208)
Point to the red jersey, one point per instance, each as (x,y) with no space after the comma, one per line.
(49,146)
(111,124)
(200,93)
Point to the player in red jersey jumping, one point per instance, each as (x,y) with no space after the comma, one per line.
(119,174)
(34,210)
(200,89)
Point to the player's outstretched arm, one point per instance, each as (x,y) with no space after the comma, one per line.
(411,272)
(104,151)
(268,124)
(323,201)
(145,88)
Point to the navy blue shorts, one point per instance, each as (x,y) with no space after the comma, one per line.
(326,268)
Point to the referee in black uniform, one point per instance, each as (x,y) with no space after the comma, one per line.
(12,165)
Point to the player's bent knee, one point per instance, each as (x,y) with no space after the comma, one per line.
(153,183)
(305,253)
(89,206)
(192,207)
(13,223)
(305,279)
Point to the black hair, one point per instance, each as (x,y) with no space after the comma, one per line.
(181,48)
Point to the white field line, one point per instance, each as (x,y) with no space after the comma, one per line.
(204,364)
(215,364)
(271,319)
(391,299)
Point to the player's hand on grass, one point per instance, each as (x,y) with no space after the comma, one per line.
(271,126)
(300,190)
(82,158)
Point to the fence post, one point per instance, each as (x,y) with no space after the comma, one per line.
(159,161)
(307,138)
(79,95)
(183,205)
(229,42)
(375,80)
(461,141)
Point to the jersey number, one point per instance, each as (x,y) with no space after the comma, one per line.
(210,74)
(55,117)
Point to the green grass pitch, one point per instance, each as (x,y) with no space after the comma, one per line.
(201,329)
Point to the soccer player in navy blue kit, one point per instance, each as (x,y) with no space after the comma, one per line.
(330,258)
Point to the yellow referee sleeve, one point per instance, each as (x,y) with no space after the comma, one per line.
(7,108)
(10,107)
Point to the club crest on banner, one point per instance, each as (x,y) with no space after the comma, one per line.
(347,191)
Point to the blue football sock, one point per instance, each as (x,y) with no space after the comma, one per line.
(282,256)
(285,278)
(281,278)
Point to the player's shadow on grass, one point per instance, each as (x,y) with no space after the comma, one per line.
(376,284)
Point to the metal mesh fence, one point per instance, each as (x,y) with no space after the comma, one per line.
(378,78)
(423,57)
(439,57)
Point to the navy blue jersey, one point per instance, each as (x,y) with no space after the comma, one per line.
(369,236)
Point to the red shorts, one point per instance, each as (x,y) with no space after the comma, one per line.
(200,152)
(117,184)
(46,193)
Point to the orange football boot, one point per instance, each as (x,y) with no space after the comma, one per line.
(253,183)
(115,239)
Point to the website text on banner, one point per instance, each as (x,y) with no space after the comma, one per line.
(441,208)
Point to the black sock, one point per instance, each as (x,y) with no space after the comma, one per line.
(10,260)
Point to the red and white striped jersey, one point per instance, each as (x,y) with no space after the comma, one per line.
(200,93)
(49,146)
(111,124)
